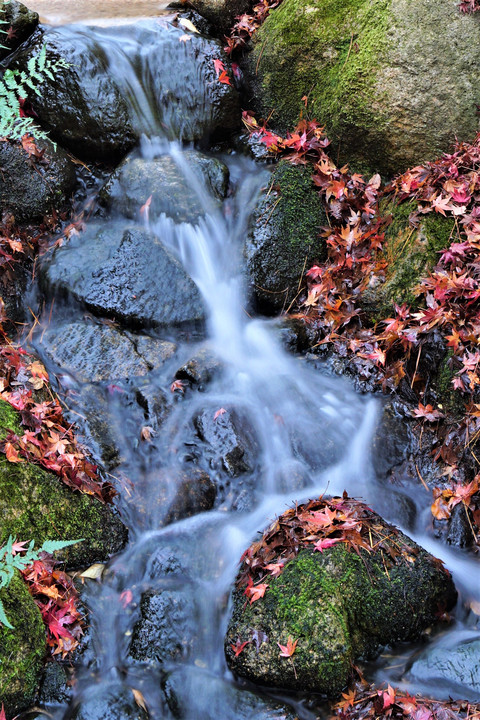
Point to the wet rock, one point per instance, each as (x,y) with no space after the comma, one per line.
(102,353)
(31,187)
(154,401)
(293,334)
(55,688)
(36,504)
(379,97)
(162,182)
(111,702)
(166,628)
(391,442)
(13,290)
(230,439)
(176,494)
(221,13)
(22,649)
(193,691)
(20,22)
(284,238)
(339,605)
(200,369)
(460,533)
(450,668)
(110,270)
(89,107)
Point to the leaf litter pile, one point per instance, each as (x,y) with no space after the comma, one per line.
(447,311)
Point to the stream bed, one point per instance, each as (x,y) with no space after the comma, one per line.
(255,426)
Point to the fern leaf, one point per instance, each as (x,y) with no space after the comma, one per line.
(50,546)
(3,618)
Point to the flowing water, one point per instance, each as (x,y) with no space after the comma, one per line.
(312,434)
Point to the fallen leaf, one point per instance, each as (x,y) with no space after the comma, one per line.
(219,413)
(139,699)
(94,572)
(288,649)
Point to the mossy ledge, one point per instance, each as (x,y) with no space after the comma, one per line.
(22,649)
(36,505)
(338,605)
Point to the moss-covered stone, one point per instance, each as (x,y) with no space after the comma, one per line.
(390,87)
(410,253)
(338,605)
(21,649)
(285,236)
(35,504)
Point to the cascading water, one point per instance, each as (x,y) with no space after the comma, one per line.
(311,433)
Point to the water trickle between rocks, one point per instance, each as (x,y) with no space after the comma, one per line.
(150,293)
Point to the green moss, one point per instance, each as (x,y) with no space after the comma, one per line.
(286,236)
(21,649)
(448,398)
(35,505)
(410,254)
(330,53)
(9,420)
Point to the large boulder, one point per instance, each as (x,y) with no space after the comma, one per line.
(111,270)
(285,236)
(22,649)
(35,504)
(393,81)
(115,87)
(32,185)
(162,183)
(221,13)
(334,578)
(19,24)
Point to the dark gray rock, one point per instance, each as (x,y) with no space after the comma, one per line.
(174,494)
(450,668)
(460,531)
(31,187)
(20,22)
(391,442)
(200,369)
(162,180)
(230,439)
(101,353)
(192,692)
(166,628)
(90,106)
(55,688)
(109,702)
(284,240)
(221,13)
(126,274)
(153,400)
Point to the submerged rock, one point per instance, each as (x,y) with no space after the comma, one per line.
(19,24)
(230,439)
(285,236)
(109,702)
(197,693)
(91,107)
(22,649)
(337,604)
(162,183)
(31,187)
(450,667)
(391,90)
(110,269)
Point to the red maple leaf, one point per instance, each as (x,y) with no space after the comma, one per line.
(288,649)
(255,592)
(237,648)
(219,66)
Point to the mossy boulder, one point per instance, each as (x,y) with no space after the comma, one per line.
(22,649)
(36,505)
(285,236)
(338,605)
(393,81)
(20,22)
(410,253)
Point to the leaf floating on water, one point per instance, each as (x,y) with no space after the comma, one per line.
(139,699)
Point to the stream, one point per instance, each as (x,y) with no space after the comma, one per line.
(306,432)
